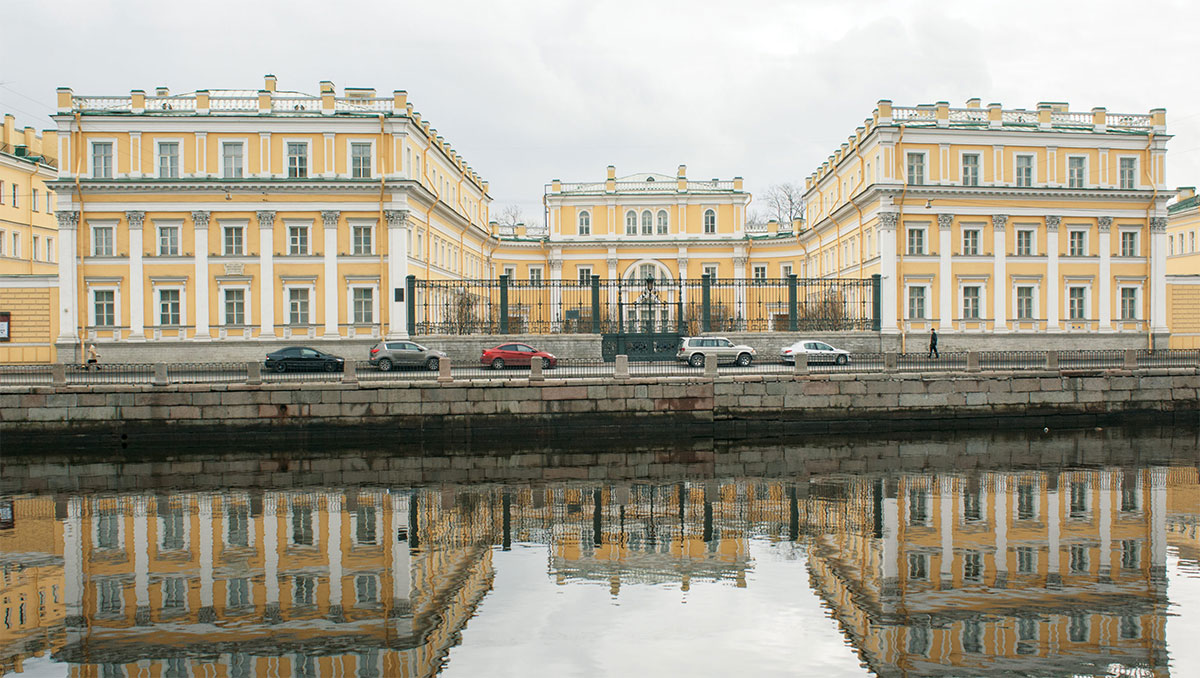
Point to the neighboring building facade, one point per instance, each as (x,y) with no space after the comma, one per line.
(991,220)
(224,215)
(1183,269)
(28,248)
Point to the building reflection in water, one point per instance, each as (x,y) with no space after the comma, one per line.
(1039,572)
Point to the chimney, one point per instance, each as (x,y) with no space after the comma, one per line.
(682,172)
(10,131)
(974,102)
(326,87)
(1186,193)
(30,137)
(50,144)
(269,82)
(612,172)
(360,92)
(162,91)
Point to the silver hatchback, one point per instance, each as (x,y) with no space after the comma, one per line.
(388,354)
(693,349)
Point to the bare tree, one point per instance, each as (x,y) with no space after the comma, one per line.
(755,218)
(511,215)
(785,202)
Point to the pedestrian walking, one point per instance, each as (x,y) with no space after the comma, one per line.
(933,352)
(93,357)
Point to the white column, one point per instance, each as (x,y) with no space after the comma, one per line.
(682,263)
(141,557)
(556,266)
(401,565)
(1158,520)
(205,517)
(330,219)
(946,525)
(200,233)
(889,283)
(397,263)
(1105,526)
(73,583)
(1158,275)
(270,548)
(945,273)
(999,274)
(891,542)
(333,551)
(1053,513)
(1000,523)
(68,279)
(266,273)
(137,287)
(1104,282)
(739,293)
(1053,284)
(612,278)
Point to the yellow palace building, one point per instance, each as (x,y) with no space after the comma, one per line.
(987,219)
(1183,269)
(255,214)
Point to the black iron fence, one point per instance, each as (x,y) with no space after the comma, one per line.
(649,306)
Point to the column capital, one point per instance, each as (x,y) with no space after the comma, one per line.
(611,261)
(999,221)
(135,219)
(1052,223)
(1105,223)
(266,219)
(887,221)
(741,260)
(945,221)
(396,218)
(330,218)
(1158,224)
(200,218)
(556,265)
(68,220)
(683,262)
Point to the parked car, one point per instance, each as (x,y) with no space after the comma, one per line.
(303,359)
(815,352)
(388,354)
(522,355)
(693,349)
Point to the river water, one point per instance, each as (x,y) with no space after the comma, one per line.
(1039,554)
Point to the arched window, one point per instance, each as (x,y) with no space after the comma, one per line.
(647,223)
(585,223)
(710,221)
(631,223)
(662,222)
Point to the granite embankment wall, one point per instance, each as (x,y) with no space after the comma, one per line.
(606,409)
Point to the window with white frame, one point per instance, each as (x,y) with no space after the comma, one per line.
(1129,243)
(103,240)
(511,272)
(168,240)
(916,168)
(970,302)
(298,239)
(297,159)
(1077,243)
(585,275)
(785,270)
(535,276)
(1025,242)
(16,244)
(169,306)
(15,195)
(232,166)
(1129,303)
(362,241)
(1024,302)
(3,235)
(970,169)
(1077,302)
(1127,174)
(710,222)
(104,307)
(1076,171)
(102,160)
(50,249)
(631,223)
(662,222)
(233,305)
(916,240)
(33,247)
(1024,171)
(970,242)
(168,160)
(1171,244)
(760,273)
(363,299)
(647,223)
(709,270)
(235,239)
(916,302)
(585,223)
(1191,242)
(33,201)
(360,160)
(298,310)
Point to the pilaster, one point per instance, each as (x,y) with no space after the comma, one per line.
(1104,277)
(945,272)
(999,274)
(889,317)
(1158,275)
(397,263)
(1053,284)
(135,220)
(266,267)
(329,218)
(68,278)
(200,233)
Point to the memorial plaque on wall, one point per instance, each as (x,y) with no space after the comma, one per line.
(5,325)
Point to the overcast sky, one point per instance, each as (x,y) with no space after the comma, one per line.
(531,91)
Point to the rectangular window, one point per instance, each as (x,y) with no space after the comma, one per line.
(364,525)
(33,201)
(231,161)
(168,160)
(916,303)
(102,241)
(970,169)
(918,507)
(1076,298)
(1078,559)
(1128,173)
(15,195)
(360,160)
(238,520)
(239,593)
(1025,243)
(585,275)
(302,524)
(1075,172)
(1079,500)
(916,169)
(235,240)
(710,270)
(104,303)
(973,566)
(785,271)
(235,306)
(298,306)
(1129,243)
(298,240)
(102,160)
(168,241)
(971,242)
(972,507)
(50,249)
(1024,302)
(362,241)
(510,272)
(168,307)
(1129,303)
(1077,244)
(916,241)
(49,204)
(1026,560)
(172,537)
(1,192)
(108,530)
(16,244)
(971,303)
(1131,553)
(1026,503)
(304,589)
(1129,496)
(33,247)
(297,154)
(364,305)
(111,596)
(760,273)
(535,276)
(918,566)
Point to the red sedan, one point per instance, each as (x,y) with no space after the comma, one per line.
(515,354)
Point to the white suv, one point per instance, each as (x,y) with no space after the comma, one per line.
(693,349)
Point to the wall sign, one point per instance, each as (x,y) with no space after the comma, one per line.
(5,326)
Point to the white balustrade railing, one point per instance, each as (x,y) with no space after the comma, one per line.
(1130,121)
(363,104)
(233,103)
(913,114)
(295,104)
(171,103)
(968,115)
(102,103)
(1071,118)
(1019,117)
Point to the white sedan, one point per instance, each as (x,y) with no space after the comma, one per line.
(816,351)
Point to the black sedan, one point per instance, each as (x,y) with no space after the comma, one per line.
(303,359)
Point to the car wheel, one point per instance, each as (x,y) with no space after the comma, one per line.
(744,359)
(498,364)
(330,366)
(279,367)
(385,365)
(697,360)
(841,360)
(545,363)
(432,364)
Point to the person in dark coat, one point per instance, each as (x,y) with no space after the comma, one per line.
(933,352)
